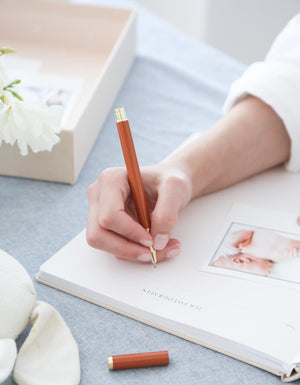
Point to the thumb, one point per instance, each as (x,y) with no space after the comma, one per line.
(164,216)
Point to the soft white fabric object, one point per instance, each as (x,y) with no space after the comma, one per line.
(50,354)
(17,297)
(8,353)
(276,81)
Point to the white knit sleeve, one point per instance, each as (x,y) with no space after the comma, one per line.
(276,81)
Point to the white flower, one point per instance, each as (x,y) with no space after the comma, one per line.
(2,76)
(32,124)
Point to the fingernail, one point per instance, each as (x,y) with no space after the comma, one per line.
(173,253)
(144,258)
(146,242)
(160,241)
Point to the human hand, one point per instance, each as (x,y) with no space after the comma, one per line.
(112,223)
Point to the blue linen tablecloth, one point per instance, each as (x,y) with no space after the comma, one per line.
(175,88)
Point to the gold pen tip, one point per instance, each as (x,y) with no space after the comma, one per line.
(153,255)
(120,114)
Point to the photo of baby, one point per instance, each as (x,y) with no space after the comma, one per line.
(52,96)
(259,251)
(50,88)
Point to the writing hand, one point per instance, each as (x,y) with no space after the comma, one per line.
(112,222)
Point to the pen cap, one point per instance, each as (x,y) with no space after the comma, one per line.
(139,360)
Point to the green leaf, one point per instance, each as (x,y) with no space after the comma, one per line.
(12,84)
(15,94)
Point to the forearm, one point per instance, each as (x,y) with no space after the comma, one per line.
(249,139)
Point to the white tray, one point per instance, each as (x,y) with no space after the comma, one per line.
(93,43)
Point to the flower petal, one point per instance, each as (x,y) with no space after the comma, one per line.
(31,124)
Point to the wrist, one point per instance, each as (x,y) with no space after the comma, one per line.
(196,164)
(179,167)
(175,173)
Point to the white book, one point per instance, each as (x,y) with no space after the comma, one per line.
(252,315)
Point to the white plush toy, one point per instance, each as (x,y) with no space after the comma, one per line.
(49,354)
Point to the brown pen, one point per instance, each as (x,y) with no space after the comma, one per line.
(134,174)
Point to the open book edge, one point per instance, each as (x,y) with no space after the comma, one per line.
(56,283)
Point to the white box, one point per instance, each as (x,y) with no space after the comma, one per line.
(93,43)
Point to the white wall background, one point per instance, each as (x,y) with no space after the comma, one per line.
(242,28)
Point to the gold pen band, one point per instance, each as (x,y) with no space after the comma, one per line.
(120,115)
(110,363)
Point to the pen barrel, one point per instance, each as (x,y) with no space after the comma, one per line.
(134,174)
(139,360)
